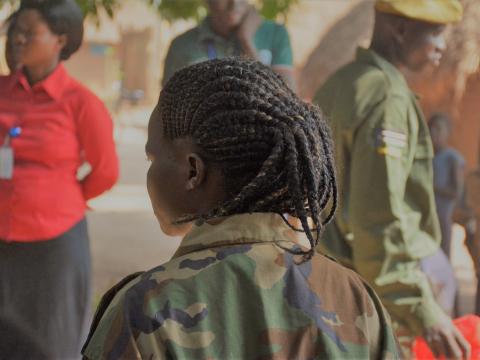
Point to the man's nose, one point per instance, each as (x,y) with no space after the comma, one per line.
(441,44)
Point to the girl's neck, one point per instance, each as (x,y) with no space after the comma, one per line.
(38,73)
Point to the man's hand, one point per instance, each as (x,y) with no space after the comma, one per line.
(245,34)
(445,340)
(249,26)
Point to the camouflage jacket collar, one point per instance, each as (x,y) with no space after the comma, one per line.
(237,230)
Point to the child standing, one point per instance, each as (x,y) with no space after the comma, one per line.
(448,168)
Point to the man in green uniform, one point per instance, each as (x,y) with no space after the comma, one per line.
(387,221)
(232,28)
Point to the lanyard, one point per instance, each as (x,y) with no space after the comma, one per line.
(211,51)
(7,158)
(13,133)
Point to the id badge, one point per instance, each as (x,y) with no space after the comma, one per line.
(6,163)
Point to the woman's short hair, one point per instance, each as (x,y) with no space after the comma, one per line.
(64,17)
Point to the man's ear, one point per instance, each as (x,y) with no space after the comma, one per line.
(400,30)
(197,171)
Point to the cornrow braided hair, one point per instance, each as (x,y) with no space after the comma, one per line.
(274,149)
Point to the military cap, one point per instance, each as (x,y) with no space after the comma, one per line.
(432,11)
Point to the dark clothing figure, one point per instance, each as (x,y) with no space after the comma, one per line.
(446,166)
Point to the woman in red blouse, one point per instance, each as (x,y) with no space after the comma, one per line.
(50,124)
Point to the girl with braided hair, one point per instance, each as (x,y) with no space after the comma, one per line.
(232,151)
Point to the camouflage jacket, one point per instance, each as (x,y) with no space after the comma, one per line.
(233,291)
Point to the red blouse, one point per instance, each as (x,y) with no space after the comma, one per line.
(63,125)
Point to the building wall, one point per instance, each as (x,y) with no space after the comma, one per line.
(466,134)
(310,20)
(98,66)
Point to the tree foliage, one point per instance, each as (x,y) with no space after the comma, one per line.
(89,7)
(177,9)
(195,9)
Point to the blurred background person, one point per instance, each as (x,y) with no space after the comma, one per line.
(49,125)
(232,28)
(448,175)
(387,228)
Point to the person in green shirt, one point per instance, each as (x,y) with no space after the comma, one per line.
(232,28)
(387,223)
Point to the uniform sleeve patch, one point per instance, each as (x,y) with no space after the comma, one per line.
(390,142)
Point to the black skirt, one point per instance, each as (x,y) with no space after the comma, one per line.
(46,287)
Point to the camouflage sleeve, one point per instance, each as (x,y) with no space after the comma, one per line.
(385,343)
(105,302)
(384,228)
(112,336)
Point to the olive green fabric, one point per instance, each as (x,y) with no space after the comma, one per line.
(271,41)
(234,291)
(387,219)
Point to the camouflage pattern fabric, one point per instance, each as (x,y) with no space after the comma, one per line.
(233,291)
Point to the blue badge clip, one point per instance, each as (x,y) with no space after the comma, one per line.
(15,132)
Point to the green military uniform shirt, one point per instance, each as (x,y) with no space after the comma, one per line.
(202,43)
(232,291)
(387,219)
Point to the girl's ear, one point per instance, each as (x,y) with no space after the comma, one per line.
(197,171)
(62,41)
